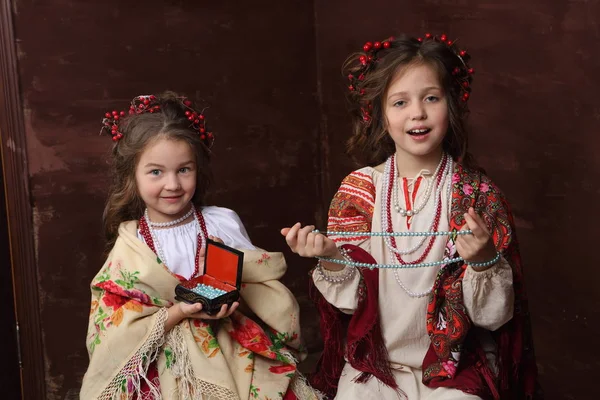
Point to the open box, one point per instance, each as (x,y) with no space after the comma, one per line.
(222,270)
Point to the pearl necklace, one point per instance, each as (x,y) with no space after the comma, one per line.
(400,266)
(442,262)
(152,240)
(409,213)
(424,293)
(402,234)
(409,292)
(169,223)
(388,182)
(386,215)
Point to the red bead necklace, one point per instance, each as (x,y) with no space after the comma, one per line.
(438,213)
(147,235)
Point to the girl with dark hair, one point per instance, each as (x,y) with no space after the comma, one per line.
(419,281)
(142,343)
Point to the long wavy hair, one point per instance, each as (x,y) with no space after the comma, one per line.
(370,143)
(139,131)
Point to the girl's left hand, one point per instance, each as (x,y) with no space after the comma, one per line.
(203,249)
(215,239)
(478,247)
(195,311)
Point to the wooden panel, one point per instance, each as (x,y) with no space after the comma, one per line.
(10,372)
(20,224)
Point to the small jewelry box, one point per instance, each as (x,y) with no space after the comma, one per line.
(221,282)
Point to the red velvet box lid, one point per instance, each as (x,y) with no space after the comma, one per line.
(224,263)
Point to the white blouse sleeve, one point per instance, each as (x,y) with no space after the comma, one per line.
(340,287)
(489,295)
(342,294)
(227,226)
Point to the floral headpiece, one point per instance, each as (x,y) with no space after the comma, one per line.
(151,104)
(370,56)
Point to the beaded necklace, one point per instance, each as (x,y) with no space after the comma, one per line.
(386,212)
(152,240)
(444,168)
(389,180)
(170,223)
(405,212)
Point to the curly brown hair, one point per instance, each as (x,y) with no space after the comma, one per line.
(370,144)
(140,130)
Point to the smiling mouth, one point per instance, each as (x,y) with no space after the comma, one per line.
(419,132)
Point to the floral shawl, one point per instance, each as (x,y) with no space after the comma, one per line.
(455,358)
(233,358)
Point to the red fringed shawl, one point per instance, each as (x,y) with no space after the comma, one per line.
(351,210)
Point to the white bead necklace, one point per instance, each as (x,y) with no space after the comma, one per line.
(384,209)
(409,292)
(157,245)
(396,196)
(170,223)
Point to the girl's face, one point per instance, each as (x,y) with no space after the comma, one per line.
(416,112)
(166,178)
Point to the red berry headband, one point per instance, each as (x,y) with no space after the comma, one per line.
(369,57)
(151,104)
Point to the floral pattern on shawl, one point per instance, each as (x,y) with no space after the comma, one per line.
(126,332)
(115,292)
(447,321)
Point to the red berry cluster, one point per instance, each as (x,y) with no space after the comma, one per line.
(367,61)
(142,104)
(197,120)
(462,74)
(110,123)
(139,105)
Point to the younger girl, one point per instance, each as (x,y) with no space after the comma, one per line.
(421,259)
(141,342)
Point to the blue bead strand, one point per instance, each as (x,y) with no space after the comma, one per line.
(485,264)
(419,265)
(208,291)
(440,233)
(391,266)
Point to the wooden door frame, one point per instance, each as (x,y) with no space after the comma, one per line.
(19,213)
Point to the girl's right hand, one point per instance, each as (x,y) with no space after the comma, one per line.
(180,311)
(195,311)
(305,243)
